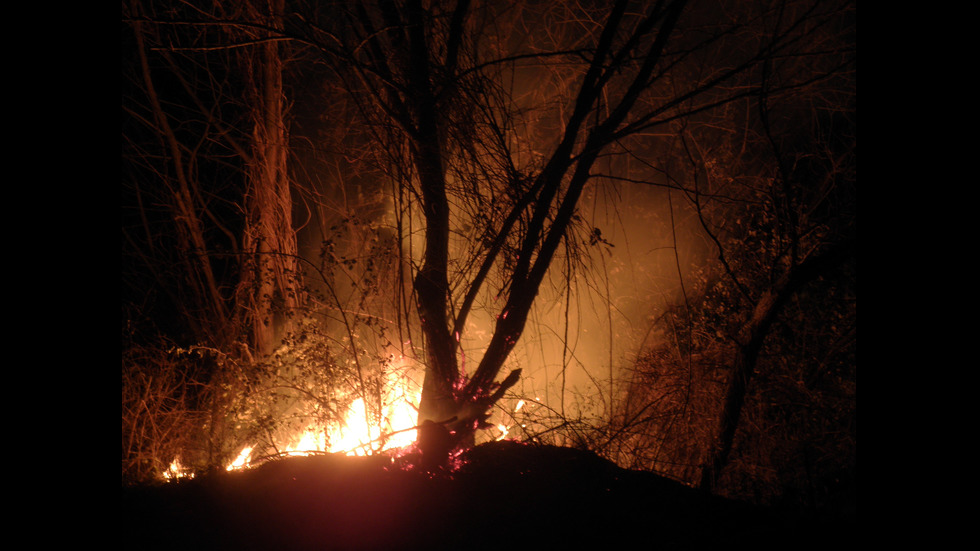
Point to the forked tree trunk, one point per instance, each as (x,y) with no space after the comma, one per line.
(469,404)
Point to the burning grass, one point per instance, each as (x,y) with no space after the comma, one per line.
(188,411)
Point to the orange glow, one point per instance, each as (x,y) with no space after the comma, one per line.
(355,435)
(175,471)
(504,431)
(241,460)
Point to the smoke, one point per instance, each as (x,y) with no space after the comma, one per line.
(586,329)
(624,262)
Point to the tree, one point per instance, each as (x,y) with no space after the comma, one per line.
(272,274)
(209,249)
(217,115)
(414,68)
(492,120)
(440,77)
(772,183)
(812,200)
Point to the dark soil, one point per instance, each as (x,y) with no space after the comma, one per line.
(506,495)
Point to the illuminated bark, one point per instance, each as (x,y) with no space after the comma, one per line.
(199,89)
(269,292)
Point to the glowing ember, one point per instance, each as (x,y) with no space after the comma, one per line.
(504,430)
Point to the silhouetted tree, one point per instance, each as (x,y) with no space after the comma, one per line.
(441,78)
(491,120)
(771,181)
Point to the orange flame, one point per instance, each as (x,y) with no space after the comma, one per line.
(355,435)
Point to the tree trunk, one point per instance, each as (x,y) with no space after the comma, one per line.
(750,340)
(271,280)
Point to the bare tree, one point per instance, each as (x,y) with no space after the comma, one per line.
(219,115)
(441,76)
(491,120)
(771,182)
(209,248)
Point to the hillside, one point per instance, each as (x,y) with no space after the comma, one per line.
(505,495)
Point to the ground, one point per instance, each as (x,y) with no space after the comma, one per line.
(504,495)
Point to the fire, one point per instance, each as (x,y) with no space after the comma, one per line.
(504,431)
(176,470)
(356,435)
(242,459)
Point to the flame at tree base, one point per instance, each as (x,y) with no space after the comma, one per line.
(393,432)
(354,437)
(355,434)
